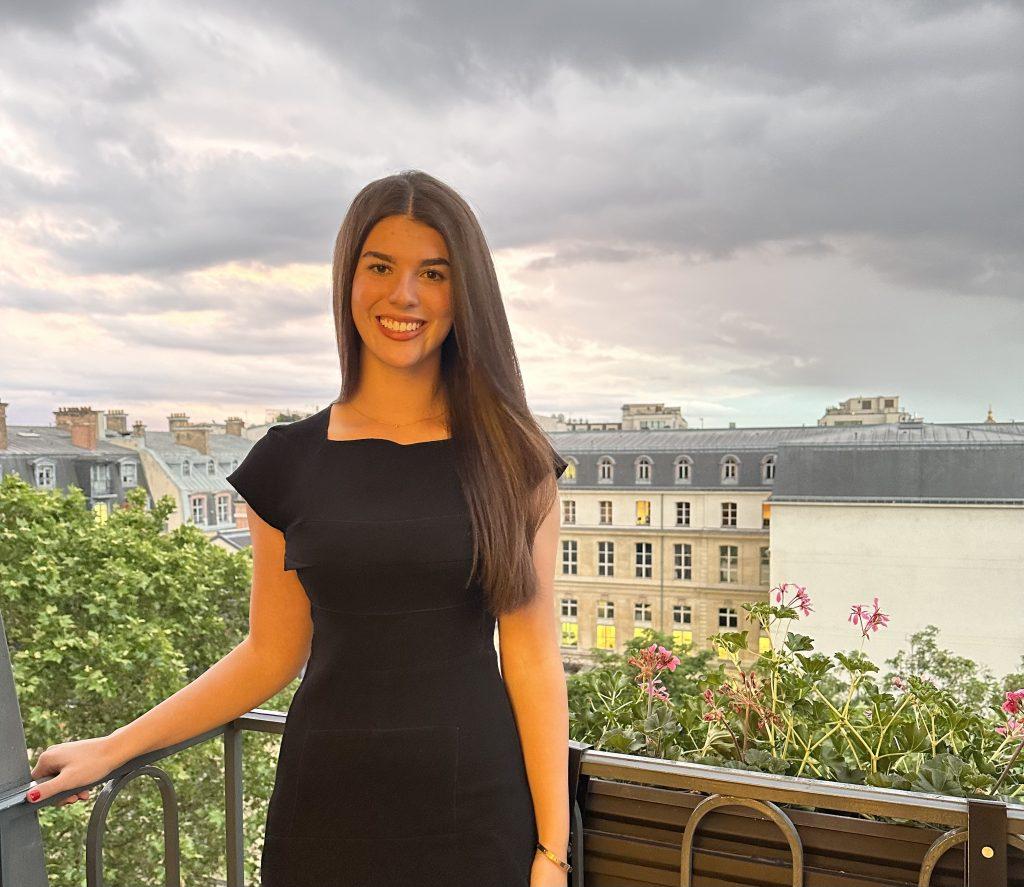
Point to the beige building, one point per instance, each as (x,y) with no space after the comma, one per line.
(860,410)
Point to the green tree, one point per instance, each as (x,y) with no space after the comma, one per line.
(106,618)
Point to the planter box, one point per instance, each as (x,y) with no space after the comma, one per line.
(635,813)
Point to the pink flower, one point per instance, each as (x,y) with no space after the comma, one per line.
(1013,728)
(1014,703)
(869,621)
(899,683)
(801,599)
(650,661)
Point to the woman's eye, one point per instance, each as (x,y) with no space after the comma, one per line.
(378,265)
(440,276)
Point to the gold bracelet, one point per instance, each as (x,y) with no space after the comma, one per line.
(564,866)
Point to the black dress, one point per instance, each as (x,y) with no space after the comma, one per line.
(400,764)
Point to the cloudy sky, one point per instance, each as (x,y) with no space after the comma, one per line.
(748,210)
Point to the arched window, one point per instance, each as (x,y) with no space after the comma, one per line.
(730,470)
(644,469)
(684,470)
(605,470)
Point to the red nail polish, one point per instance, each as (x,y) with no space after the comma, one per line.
(33,795)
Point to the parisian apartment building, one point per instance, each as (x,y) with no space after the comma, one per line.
(673,528)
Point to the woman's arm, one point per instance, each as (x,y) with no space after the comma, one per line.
(531,666)
(263,664)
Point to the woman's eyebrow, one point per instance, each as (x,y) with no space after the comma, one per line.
(387,258)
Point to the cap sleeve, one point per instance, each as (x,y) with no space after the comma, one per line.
(560,465)
(261,479)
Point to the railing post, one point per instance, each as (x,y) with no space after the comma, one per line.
(233,820)
(986,843)
(577,805)
(22,860)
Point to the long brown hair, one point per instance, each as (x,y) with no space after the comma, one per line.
(504,459)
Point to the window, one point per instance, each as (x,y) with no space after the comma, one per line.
(683,560)
(605,473)
(727,618)
(889,402)
(766,515)
(865,404)
(768,469)
(568,511)
(570,623)
(682,622)
(682,614)
(605,637)
(728,514)
(570,470)
(765,565)
(682,514)
(606,625)
(45,475)
(570,557)
(644,560)
(211,467)
(730,470)
(643,612)
(129,474)
(729,560)
(186,468)
(643,470)
(223,508)
(684,470)
(605,511)
(99,479)
(643,513)
(199,510)
(605,558)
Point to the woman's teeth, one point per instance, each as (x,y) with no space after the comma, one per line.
(399,326)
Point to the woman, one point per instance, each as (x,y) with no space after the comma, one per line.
(390,531)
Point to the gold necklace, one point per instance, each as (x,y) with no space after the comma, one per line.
(371,418)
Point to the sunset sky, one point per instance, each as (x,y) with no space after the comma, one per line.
(750,211)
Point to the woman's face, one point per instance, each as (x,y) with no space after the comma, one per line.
(402,277)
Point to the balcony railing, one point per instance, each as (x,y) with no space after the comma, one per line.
(635,821)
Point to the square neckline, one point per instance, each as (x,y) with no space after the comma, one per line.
(325,424)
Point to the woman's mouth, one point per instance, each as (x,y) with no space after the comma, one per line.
(399,330)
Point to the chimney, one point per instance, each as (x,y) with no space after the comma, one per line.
(3,425)
(197,438)
(117,421)
(176,421)
(84,423)
(138,428)
(234,425)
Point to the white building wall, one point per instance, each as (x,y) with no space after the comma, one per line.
(959,567)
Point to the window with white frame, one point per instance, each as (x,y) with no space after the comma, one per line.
(99,479)
(568,511)
(765,565)
(768,469)
(223,508)
(682,614)
(45,474)
(129,474)
(570,623)
(199,510)
(682,514)
(730,470)
(644,560)
(683,560)
(605,470)
(729,514)
(728,618)
(728,563)
(643,512)
(570,557)
(604,508)
(644,467)
(606,609)
(211,467)
(605,558)
(643,612)
(684,470)
(186,468)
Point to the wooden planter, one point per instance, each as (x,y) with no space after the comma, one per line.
(640,817)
